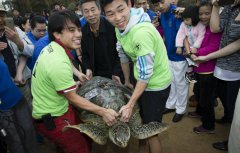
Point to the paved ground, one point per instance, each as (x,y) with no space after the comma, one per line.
(178,139)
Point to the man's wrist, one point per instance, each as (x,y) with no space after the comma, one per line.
(188,55)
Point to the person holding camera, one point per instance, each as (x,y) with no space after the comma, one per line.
(177,100)
(15,47)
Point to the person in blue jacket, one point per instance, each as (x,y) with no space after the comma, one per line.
(177,100)
(15,116)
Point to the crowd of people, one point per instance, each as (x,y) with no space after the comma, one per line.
(156,48)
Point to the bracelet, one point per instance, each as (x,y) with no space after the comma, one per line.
(189,55)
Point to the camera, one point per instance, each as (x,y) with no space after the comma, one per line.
(174,12)
(3,132)
(225,2)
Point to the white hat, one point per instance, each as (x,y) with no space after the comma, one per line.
(2,8)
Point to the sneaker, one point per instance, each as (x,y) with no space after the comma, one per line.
(189,76)
(194,115)
(201,130)
(221,145)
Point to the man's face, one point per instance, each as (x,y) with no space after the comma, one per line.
(91,12)
(15,13)
(39,30)
(27,26)
(2,21)
(174,2)
(141,3)
(118,13)
(70,36)
(57,7)
(162,6)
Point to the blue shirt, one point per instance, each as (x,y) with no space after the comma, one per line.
(41,43)
(170,26)
(151,14)
(34,40)
(9,93)
(83,21)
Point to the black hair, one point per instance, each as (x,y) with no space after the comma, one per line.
(59,20)
(37,19)
(22,21)
(155,1)
(205,3)
(97,2)
(106,2)
(45,12)
(193,13)
(56,3)
(14,10)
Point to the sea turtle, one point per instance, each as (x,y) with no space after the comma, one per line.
(106,93)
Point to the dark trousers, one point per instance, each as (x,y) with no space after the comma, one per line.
(3,146)
(205,89)
(19,128)
(227,92)
(70,141)
(152,105)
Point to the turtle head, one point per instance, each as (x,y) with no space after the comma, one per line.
(119,134)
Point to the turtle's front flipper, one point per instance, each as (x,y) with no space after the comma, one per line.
(94,132)
(147,130)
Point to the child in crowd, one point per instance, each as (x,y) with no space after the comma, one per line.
(194,31)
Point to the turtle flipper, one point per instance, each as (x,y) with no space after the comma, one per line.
(94,132)
(147,130)
(119,134)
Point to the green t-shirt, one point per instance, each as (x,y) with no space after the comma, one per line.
(142,39)
(52,75)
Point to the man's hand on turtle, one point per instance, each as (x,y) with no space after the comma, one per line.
(116,79)
(89,74)
(109,117)
(126,112)
(129,85)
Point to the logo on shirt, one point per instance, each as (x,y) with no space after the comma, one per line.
(50,49)
(137,47)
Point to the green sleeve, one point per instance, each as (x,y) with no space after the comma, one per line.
(143,41)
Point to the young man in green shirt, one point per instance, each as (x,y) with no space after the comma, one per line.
(53,87)
(139,40)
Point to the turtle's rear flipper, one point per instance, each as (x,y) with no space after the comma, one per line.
(95,133)
(147,130)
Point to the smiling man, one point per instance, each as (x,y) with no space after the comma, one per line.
(53,87)
(100,57)
(139,40)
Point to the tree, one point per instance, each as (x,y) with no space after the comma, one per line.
(27,6)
